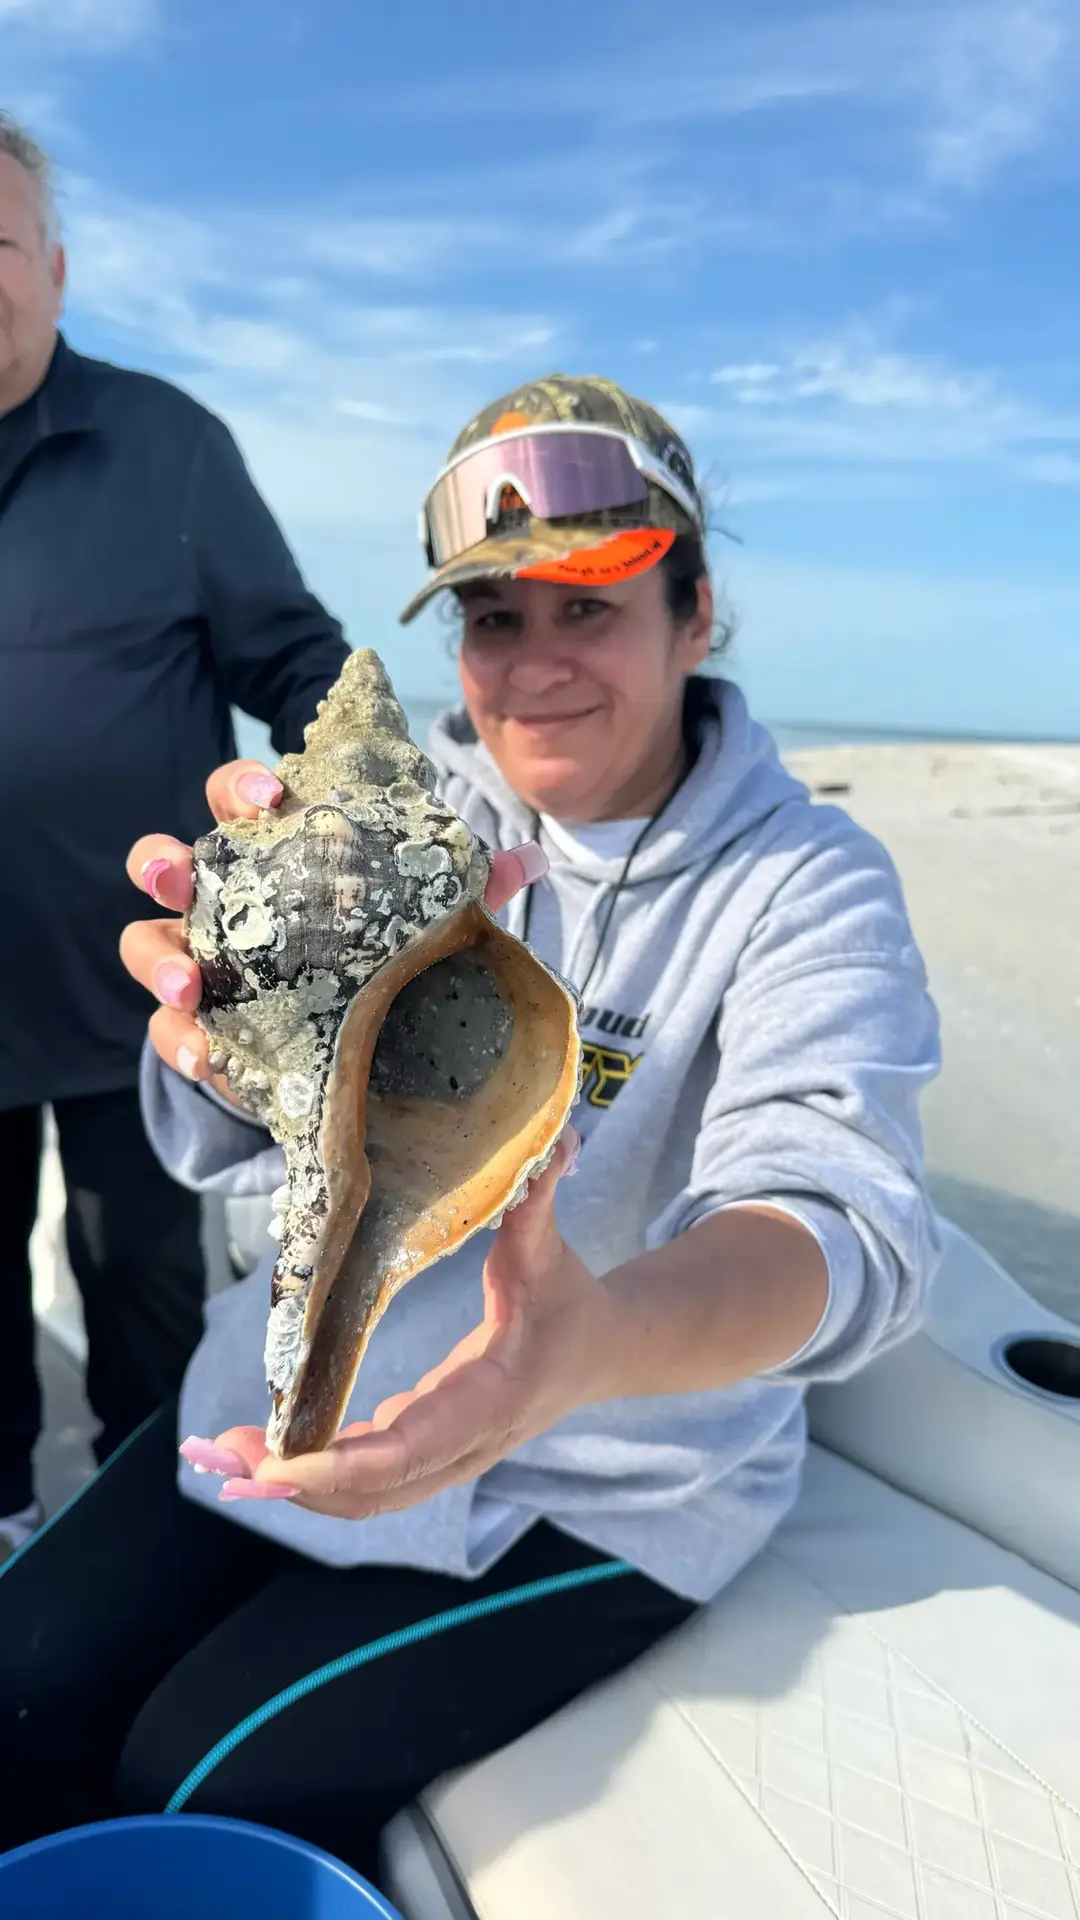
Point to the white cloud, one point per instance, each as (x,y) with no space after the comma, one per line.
(748,377)
(89,23)
(890,380)
(369,410)
(851,405)
(872,110)
(733,74)
(995,81)
(181,284)
(401,246)
(855,372)
(759,443)
(39,39)
(142,270)
(648,228)
(821,485)
(505,345)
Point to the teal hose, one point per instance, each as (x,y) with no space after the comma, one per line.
(389,1643)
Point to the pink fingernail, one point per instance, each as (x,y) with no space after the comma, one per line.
(261,789)
(188,1063)
(571,1142)
(257,1490)
(534,861)
(206,1458)
(151,874)
(171,983)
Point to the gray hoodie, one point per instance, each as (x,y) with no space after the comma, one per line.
(757,1027)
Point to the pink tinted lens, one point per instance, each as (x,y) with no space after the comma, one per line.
(558,475)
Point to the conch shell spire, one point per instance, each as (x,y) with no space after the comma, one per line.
(415,1062)
(358,739)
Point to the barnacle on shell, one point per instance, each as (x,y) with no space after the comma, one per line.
(416,1062)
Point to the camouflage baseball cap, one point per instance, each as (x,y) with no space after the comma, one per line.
(522,542)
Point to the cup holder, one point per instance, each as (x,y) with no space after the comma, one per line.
(1050,1365)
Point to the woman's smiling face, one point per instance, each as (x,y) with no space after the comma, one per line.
(577,693)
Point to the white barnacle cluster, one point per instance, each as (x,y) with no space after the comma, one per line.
(431,863)
(521,1191)
(249,917)
(422,859)
(285,1345)
(279,1207)
(202,922)
(296,1095)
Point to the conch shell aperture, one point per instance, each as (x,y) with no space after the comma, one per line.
(415,1062)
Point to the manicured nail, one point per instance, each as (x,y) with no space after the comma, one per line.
(257,1490)
(151,874)
(571,1145)
(171,983)
(260,789)
(188,1063)
(534,861)
(206,1458)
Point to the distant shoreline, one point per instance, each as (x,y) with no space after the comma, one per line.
(917,736)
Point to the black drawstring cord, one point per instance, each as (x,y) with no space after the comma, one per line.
(620,882)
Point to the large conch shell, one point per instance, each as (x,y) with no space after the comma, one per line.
(416,1062)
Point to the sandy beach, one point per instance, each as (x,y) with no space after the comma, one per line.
(987,843)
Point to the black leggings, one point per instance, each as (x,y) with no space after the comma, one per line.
(144,1317)
(139,1629)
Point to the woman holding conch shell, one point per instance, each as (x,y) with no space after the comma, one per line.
(382,982)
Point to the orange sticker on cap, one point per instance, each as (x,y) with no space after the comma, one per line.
(508,422)
(620,558)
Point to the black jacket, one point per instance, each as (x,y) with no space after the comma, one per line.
(144,590)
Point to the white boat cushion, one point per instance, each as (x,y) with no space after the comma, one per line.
(881,1718)
(942,1417)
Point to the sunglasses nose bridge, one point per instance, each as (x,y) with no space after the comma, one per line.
(495,489)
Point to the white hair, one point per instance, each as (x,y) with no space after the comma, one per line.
(17,144)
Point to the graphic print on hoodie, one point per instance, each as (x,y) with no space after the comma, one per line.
(606,1065)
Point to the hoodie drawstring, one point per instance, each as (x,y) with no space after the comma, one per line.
(620,882)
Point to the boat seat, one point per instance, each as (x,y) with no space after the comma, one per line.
(880,1719)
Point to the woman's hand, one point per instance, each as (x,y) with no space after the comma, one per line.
(156,953)
(731,1298)
(541,1350)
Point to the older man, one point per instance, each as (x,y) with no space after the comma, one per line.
(144,590)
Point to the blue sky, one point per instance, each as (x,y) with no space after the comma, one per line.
(836,243)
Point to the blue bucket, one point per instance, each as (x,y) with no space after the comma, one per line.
(181,1867)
